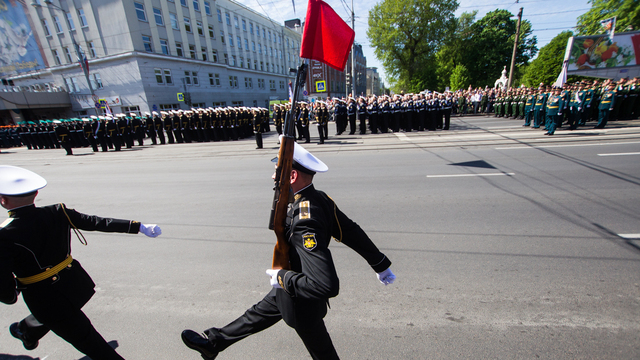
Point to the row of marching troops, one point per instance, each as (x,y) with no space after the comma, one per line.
(512,103)
(116,132)
(575,104)
(409,112)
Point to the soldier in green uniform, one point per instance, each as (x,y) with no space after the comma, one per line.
(529,104)
(607,104)
(553,111)
(576,104)
(539,108)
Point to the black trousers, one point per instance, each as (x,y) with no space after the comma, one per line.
(305,316)
(352,124)
(322,133)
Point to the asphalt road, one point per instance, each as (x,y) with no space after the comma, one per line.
(507,244)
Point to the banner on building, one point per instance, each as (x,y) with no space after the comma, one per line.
(600,52)
(20,49)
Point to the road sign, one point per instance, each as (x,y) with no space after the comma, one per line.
(321,86)
(180,97)
(103,103)
(305,93)
(97,105)
(155,107)
(94,98)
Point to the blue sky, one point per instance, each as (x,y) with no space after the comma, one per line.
(548,17)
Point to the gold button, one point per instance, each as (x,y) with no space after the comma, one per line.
(54,278)
(69,265)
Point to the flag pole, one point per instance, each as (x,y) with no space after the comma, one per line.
(353,57)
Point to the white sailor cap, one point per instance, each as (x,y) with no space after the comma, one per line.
(154,112)
(57,122)
(305,161)
(15,181)
(93,117)
(133,114)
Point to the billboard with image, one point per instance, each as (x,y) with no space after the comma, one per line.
(19,49)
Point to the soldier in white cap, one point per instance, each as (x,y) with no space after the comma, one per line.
(299,296)
(35,260)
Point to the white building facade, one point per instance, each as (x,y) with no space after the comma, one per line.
(143,53)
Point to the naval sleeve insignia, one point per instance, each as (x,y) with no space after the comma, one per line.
(305,212)
(309,241)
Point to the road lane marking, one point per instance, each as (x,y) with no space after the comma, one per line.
(630,236)
(566,145)
(471,175)
(401,137)
(620,154)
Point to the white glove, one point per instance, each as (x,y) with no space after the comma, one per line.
(273,275)
(386,277)
(152,230)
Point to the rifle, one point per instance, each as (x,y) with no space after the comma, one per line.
(282,189)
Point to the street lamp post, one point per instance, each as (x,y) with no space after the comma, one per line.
(85,69)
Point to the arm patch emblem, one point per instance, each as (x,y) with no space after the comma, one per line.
(309,241)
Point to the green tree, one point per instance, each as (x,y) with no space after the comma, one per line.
(490,46)
(452,53)
(547,66)
(627,13)
(459,78)
(406,35)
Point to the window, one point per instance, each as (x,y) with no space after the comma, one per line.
(194,77)
(196,5)
(233,81)
(92,49)
(239,43)
(222,36)
(187,77)
(259,48)
(235,21)
(174,21)
(157,14)
(179,49)
(255,64)
(159,78)
(57,24)
(192,51)
(83,19)
(203,50)
(219,15)
(200,28)
(96,82)
(219,104)
(198,105)
(211,33)
(147,43)
(289,57)
(228,18)
(258,30)
(72,84)
(248,63)
(244,25)
(214,79)
(253,46)
(251,28)
(131,109)
(248,83)
(287,43)
(214,55)
(269,35)
(67,52)
(140,12)
(237,103)
(264,33)
(164,45)
(183,3)
(167,76)
(187,24)
(226,58)
(230,40)
(70,22)
(233,60)
(241,64)
(267,69)
(261,83)
(246,44)
(272,85)
(207,8)
(281,85)
(261,66)
(169,106)
(45,26)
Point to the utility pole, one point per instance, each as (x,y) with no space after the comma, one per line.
(515,48)
(353,56)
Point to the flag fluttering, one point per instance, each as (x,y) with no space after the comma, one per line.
(562,78)
(326,37)
(609,26)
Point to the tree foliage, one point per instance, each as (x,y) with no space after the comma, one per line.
(627,13)
(459,78)
(547,66)
(406,34)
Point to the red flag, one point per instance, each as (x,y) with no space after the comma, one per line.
(326,38)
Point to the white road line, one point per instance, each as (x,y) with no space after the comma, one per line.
(630,236)
(566,145)
(401,136)
(504,127)
(470,175)
(620,154)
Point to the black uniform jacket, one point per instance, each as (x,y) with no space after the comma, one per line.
(36,238)
(315,219)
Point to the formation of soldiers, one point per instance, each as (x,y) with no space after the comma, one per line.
(115,132)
